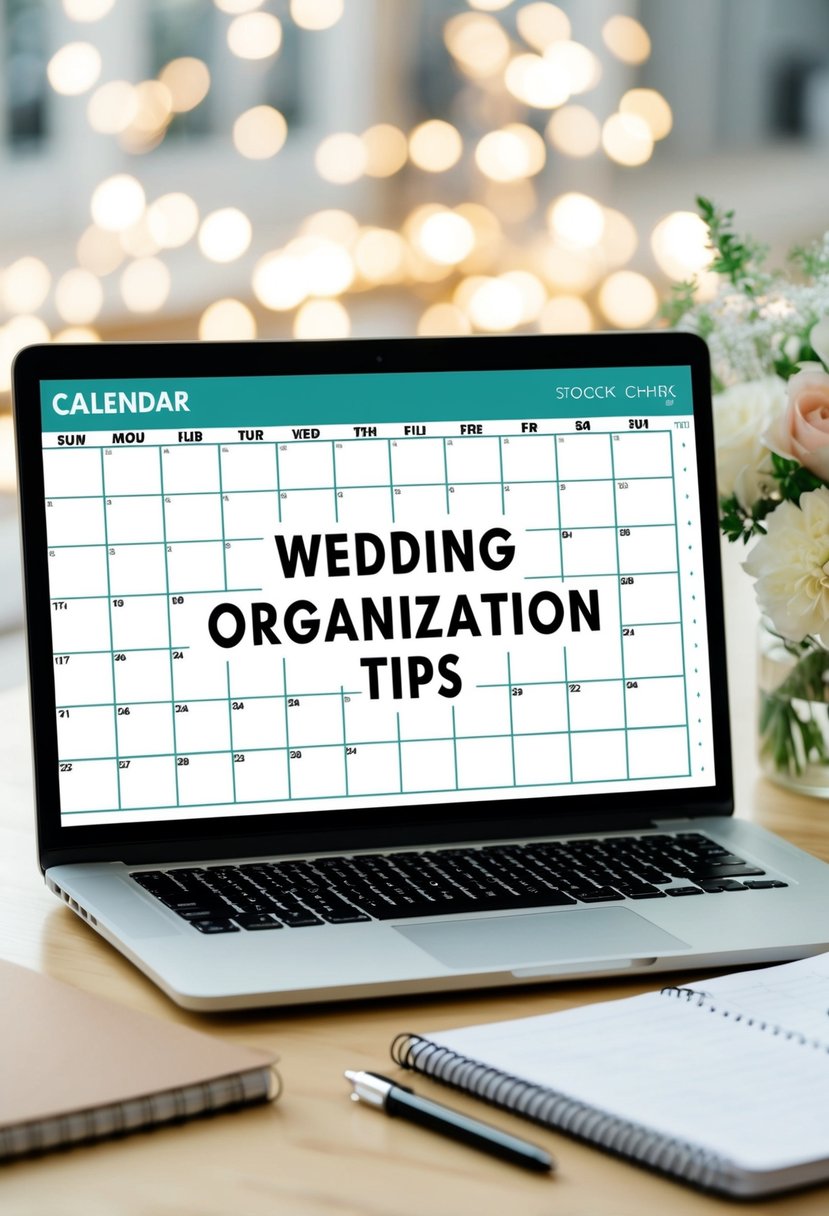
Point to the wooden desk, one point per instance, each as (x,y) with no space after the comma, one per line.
(315,1153)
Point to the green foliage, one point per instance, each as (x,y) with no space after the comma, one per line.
(811,260)
(737,260)
(679,302)
(792,479)
(737,523)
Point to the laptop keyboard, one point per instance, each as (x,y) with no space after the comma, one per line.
(267,895)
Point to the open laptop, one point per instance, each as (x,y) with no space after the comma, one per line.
(389,666)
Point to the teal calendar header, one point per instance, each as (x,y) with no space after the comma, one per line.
(348,398)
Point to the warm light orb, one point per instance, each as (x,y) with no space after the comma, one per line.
(536,82)
(533,292)
(322,319)
(76,334)
(260,132)
(489,6)
(173,219)
(235,7)
(117,202)
(576,220)
(25,285)
(386,148)
(227,321)
(255,35)
(112,107)
(435,146)
(627,139)
(478,44)
(627,39)
(619,239)
(565,315)
(79,297)
(542,24)
(188,80)
(225,234)
(680,244)
(575,131)
(651,106)
(99,251)
(327,268)
(496,306)
(339,226)
(627,299)
(154,109)
(576,64)
(138,240)
(14,335)
(74,68)
(145,285)
(279,281)
(514,152)
(446,238)
(87,10)
(316,14)
(569,270)
(341,158)
(443,321)
(380,255)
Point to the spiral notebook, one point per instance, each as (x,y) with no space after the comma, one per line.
(77,1067)
(723,1084)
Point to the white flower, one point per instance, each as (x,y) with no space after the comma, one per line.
(791,565)
(819,339)
(741,415)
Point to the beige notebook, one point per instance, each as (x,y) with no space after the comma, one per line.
(77,1067)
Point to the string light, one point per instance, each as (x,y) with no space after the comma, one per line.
(79,297)
(87,10)
(536,82)
(627,39)
(25,285)
(680,245)
(496,306)
(188,81)
(627,139)
(235,7)
(577,220)
(446,237)
(77,334)
(99,251)
(260,132)
(380,255)
(339,226)
(227,321)
(322,319)
(278,281)
(387,150)
(225,235)
(478,44)
(341,158)
(74,68)
(627,299)
(145,285)
(435,146)
(112,107)
(541,24)
(651,106)
(255,36)
(575,131)
(316,14)
(514,152)
(173,220)
(565,315)
(117,202)
(443,321)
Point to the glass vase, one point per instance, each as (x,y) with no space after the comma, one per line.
(793,712)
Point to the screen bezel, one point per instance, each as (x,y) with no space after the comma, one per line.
(256,835)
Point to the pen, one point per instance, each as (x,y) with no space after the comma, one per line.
(394,1099)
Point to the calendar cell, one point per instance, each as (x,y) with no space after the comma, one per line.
(413,504)
(542,760)
(476,502)
(655,650)
(429,717)
(646,549)
(88,785)
(194,678)
(255,674)
(317,772)
(362,508)
(132,471)
(650,598)
(586,503)
(195,567)
(140,622)
(540,553)
(484,711)
(369,721)
(596,706)
(249,466)
(142,675)
(86,733)
(307,510)
(589,551)
(131,520)
(190,470)
(647,501)
(70,473)
(484,762)
(418,462)
(534,664)
(80,625)
(193,517)
(252,514)
(149,782)
(428,766)
(258,723)
(642,454)
(205,779)
(599,756)
(373,769)
(539,707)
(659,753)
(136,570)
(583,456)
(306,466)
(248,562)
(80,571)
(362,464)
(75,521)
(476,458)
(260,775)
(656,703)
(534,505)
(144,730)
(83,679)
(314,719)
(529,458)
(202,726)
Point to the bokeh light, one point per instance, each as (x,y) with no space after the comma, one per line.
(20,331)
(145,285)
(651,106)
(173,219)
(443,321)
(227,320)
(496,305)
(478,44)
(235,7)
(446,238)
(112,107)
(514,152)
(255,35)
(627,139)
(87,10)
(188,81)
(79,297)
(619,239)
(680,245)
(435,146)
(225,234)
(316,14)
(338,225)
(574,130)
(565,315)
(387,150)
(537,82)
(99,250)
(628,300)
(138,240)
(533,292)
(153,112)
(542,24)
(117,202)
(578,67)
(322,319)
(341,158)
(279,281)
(25,285)
(74,68)
(627,38)
(76,334)
(577,220)
(380,255)
(260,132)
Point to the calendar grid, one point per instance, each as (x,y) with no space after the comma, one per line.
(681,625)
(567,704)
(619,597)
(111,647)
(167,597)
(278,484)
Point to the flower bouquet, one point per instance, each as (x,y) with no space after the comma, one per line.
(768,333)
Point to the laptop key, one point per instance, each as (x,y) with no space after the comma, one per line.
(763,884)
(712,872)
(214,926)
(248,920)
(600,895)
(685,891)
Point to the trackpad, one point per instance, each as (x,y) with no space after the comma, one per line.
(541,937)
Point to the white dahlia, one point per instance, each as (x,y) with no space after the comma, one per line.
(741,415)
(791,565)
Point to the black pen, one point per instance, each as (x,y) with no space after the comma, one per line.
(394,1099)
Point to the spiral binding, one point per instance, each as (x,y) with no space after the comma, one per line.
(703,1000)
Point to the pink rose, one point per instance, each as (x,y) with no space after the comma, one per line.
(803,431)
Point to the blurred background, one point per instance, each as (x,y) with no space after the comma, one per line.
(233,169)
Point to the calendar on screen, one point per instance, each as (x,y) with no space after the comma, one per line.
(300,593)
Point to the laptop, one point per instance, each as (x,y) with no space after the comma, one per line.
(383,667)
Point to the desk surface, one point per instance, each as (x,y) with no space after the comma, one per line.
(315,1153)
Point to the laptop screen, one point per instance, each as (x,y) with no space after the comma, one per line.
(331,592)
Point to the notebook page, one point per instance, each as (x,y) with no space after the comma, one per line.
(756,1099)
(795,995)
